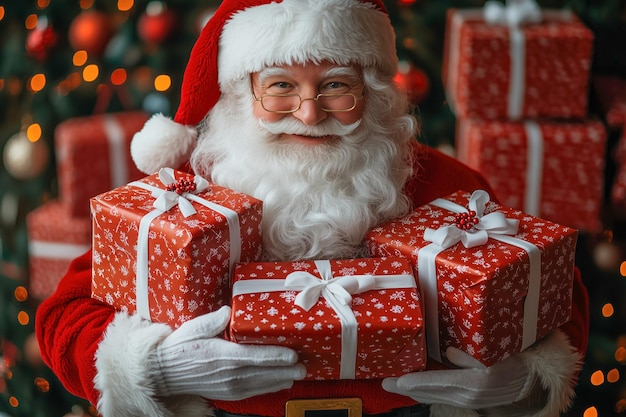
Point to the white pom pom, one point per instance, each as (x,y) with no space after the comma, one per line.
(162,143)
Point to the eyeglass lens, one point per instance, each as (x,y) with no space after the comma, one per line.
(292,102)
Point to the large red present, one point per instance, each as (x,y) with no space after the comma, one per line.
(55,238)
(93,156)
(493,69)
(550,169)
(347,319)
(491,286)
(164,246)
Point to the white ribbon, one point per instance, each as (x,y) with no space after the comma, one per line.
(534,168)
(514,14)
(53,250)
(337,291)
(488,225)
(496,227)
(166,200)
(118,151)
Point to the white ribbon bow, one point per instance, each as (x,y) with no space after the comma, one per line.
(514,13)
(165,200)
(494,223)
(340,289)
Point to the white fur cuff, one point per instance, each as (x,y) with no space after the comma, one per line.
(555,363)
(123,373)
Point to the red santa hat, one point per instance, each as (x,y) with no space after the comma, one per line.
(243,37)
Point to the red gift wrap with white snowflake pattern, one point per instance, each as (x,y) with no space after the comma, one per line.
(166,250)
(550,169)
(495,70)
(494,297)
(95,144)
(55,238)
(347,319)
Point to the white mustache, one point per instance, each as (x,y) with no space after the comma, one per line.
(292,126)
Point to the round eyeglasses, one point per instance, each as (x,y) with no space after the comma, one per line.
(289,103)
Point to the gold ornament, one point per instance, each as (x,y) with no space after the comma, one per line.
(24,159)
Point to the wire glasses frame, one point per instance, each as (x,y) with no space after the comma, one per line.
(285,103)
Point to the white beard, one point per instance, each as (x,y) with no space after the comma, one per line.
(319,200)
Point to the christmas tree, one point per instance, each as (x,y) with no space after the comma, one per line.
(61,60)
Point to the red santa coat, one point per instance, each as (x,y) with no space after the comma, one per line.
(70,324)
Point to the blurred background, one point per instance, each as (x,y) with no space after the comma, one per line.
(76,72)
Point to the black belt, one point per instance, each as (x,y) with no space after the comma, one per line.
(419,410)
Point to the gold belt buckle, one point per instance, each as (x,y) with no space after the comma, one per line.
(337,407)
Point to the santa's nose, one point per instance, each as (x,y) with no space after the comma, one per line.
(309,112)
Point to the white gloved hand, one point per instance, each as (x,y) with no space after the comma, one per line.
(475,386)
(192,360)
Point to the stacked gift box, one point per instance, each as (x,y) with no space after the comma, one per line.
(519,90)
(93,155)
(164,246)
(494,279)
(347,319)
(611,96)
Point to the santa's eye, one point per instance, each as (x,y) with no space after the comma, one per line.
(279,87)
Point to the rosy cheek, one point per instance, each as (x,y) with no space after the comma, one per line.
(260,113)
(351,116)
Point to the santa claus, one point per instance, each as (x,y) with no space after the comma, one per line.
(292,102)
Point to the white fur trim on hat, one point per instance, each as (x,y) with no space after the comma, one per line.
(123,373)
(342,31)
(162,143)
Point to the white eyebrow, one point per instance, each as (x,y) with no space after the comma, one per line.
(271,72)
(342,72)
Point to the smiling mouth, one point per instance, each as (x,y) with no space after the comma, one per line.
(309,140)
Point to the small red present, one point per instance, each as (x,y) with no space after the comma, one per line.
(164,246)
(611,96)
(494,279)
(55,238)
(93,156)
(549,169)
(618,188)
(536,68)
(347,319)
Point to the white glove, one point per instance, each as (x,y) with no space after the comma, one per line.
(192,360)
(475,387)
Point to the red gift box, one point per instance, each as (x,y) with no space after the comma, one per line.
(347,319)
(493,70)
(611,96)
(168,256)
(550,169)
(490,294)
(618,188)
(93,156)
(55,238)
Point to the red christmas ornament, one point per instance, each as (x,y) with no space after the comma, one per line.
(157,23)
(41,40)
(91,30)
(414,81)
